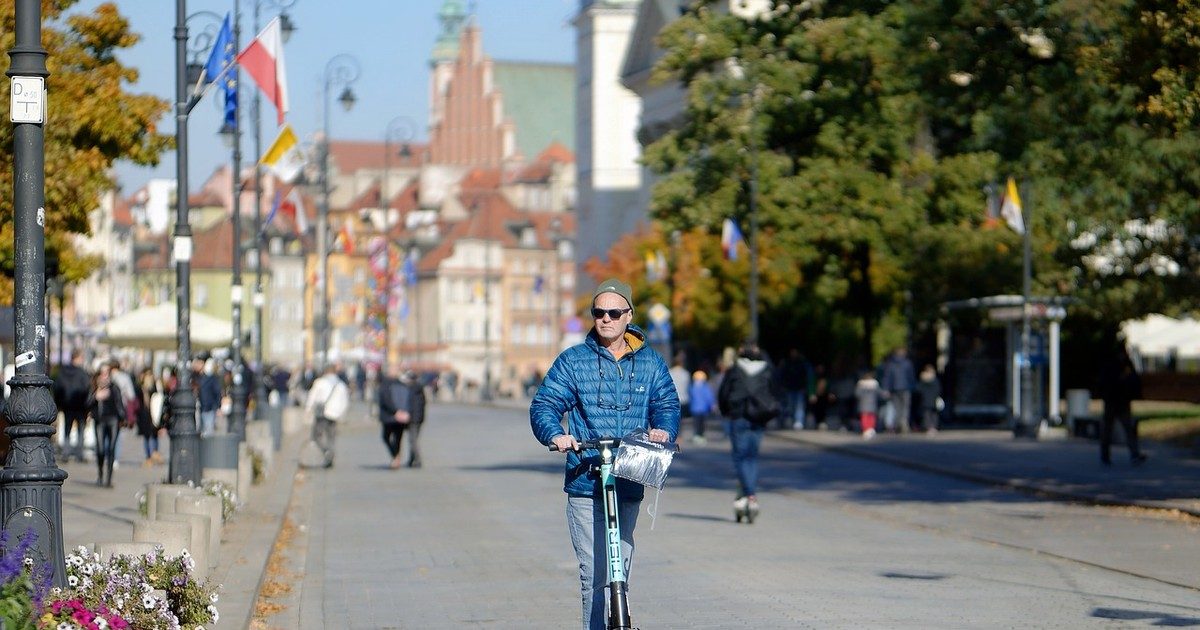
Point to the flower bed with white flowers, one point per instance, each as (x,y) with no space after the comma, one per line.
(144,592)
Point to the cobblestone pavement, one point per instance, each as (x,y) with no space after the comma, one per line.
(477,538)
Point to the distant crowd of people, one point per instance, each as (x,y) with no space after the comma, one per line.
(892,397)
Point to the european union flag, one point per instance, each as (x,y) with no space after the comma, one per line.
(220,66)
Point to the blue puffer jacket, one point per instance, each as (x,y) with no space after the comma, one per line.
(603,397)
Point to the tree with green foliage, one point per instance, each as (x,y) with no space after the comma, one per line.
(92,121)
(873,128)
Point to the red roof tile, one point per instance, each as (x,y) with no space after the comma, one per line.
(354,155)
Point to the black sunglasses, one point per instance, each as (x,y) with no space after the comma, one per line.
(613,313)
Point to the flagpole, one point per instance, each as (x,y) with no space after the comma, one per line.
(237,419)
(1025,427)
(260,240)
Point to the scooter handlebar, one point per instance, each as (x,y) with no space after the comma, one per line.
(589,444)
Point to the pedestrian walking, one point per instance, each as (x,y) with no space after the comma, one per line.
(866,393)
(106,405)
(899,381)
(327,402)
(749,398)
(822,398)
(1120,385)
(147,427)
(71,390)
(795,375)
(701,403)
(608,386)
(401,409)
(929,399)
(682,380)
(208,393)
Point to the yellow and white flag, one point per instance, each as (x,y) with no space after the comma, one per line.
(1010,208)
(285,158)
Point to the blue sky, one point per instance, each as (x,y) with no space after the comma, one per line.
(391,39)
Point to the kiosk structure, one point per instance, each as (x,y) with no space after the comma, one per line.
(1044,360)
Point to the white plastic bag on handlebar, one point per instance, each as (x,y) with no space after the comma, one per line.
(641,460)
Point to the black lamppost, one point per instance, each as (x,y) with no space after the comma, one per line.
(31,482)
(341,70)
(232,133)
(184,465)
(287,28)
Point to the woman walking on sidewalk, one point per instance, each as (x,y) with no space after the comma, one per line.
(146,425)
(107,409)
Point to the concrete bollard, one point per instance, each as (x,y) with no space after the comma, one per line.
(245,472)
(260,441)
(173,536)
(275,420)
(152,497)
(110,549)
(198,540)
(227,476)
(166,494)
(209,507)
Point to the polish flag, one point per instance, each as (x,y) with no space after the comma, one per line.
(293,207)
(263,60)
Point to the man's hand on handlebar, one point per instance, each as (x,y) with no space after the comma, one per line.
(565,442)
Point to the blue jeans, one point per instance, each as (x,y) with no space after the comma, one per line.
(585,520)
(208,422)
(745,438)
(797,408)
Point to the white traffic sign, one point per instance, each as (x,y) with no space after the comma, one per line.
(28,100)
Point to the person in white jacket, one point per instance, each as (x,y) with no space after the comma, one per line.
(327,401)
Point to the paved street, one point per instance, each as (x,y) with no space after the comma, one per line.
(477,538)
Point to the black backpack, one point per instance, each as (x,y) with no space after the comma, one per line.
(761,405)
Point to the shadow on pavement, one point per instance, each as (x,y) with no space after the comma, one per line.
(1155,618)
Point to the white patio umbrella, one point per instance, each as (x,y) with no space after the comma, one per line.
(153,328)
(1160,336)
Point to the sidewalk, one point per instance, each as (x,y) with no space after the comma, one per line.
(1065,469)
(94,514)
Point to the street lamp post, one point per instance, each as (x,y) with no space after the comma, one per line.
(184,465)
(401,129)
(31,482)
(233,133)
(486,395)
(287,27)
(341,70)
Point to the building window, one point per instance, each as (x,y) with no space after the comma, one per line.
(528,237)
(200,299)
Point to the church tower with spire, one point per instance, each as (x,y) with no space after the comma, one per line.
(452,16)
